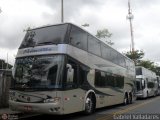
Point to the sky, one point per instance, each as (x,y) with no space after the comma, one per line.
(18,15)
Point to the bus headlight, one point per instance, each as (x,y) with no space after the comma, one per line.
(52,100)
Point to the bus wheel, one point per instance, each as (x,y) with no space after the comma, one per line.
(125,99)
(130,98)
(90,104)
(147,95)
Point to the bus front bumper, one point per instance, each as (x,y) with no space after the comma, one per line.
(46,108)
(139,95)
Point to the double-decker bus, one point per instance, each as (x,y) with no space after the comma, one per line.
(146,82)
(62,69)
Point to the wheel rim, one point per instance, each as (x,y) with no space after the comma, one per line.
(125,100)
(89,104)
(130,99)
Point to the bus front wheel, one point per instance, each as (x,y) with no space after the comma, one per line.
(90,104)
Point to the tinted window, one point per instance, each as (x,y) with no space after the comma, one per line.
(121,60)
(52,74)
(114,57)
(119,81)
(138,85)
(80,73)
(139,71)
(99,80)
(110,80)
(94,46)
(78,38)
(150,85)
(72,78)
(103,79)
(45,35)
(83,72)
(106,52)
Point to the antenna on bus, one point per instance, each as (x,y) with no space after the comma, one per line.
(130,18)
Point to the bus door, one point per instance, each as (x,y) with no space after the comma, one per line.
(73,95)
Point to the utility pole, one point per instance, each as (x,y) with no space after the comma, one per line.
(62,16)
(130,18)
(7,62)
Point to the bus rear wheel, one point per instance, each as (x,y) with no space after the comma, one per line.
(90,104)
(130,98)
(125,99)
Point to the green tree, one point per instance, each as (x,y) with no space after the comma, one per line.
(136,56)
(3,64)
(104,34)
(157,70)
(148,64)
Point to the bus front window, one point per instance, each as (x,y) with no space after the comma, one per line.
(38,72)
(139,84)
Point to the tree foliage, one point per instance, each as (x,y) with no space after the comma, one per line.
(104,34)
(3,64)
(147,64)
(136,56)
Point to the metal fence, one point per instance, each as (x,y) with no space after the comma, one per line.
(5,81)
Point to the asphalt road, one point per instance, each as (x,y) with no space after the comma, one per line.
(141,109)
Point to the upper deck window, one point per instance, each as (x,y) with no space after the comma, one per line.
(139,71)
(94,46)
(78,38)
(45,36)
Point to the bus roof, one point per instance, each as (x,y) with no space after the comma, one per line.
(83,30)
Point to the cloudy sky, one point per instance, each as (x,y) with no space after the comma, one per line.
(17,15)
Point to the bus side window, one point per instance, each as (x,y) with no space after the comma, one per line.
(72,74)
(78,38)
(52,74)
(82,73)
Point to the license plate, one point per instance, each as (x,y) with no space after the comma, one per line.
(28,108)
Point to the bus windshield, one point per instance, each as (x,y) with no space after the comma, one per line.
(38,72)
(45,36)
(139,83)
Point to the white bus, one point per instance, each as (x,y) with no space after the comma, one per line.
(62,69)
(146,82)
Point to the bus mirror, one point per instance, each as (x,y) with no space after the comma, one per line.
(70,73)
(69,67)
(143,83)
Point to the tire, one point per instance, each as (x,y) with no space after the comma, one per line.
(147,95)
(90,104)
(125,102)
(130,99)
